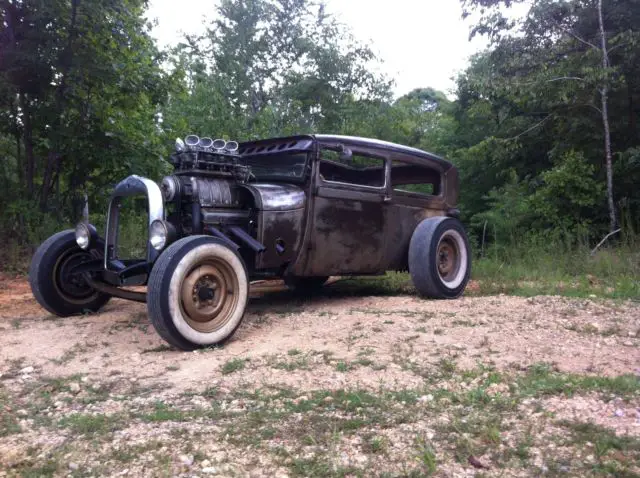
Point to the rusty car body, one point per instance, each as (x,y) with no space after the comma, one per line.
(301,208)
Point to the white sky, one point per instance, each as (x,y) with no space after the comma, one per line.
(421,42)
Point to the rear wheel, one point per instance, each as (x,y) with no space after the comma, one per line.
(439,258)
(53,283)
(197,292)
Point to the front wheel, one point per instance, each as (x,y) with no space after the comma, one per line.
(439,258)
(53,283)
(197,292)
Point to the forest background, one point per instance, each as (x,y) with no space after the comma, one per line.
(543,124)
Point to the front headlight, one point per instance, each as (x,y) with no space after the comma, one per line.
(158,235)
(161,233)
(84,235)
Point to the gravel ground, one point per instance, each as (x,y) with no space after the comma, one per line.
(333,385)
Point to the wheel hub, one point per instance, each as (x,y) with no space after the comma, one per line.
(206,294)
(72,285)
(447,259)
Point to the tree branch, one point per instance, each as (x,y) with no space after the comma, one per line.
(539,123)
(568,31)
(603,240)
(565,78)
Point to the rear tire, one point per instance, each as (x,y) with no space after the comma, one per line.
(197,292)
(439,258)
(55,289)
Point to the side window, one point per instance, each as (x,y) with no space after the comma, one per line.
(360,169)
(413,179)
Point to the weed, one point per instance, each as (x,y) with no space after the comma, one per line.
(234,365)
(540,379)
(426,456)
(342,366)
(159,348)
(86,424)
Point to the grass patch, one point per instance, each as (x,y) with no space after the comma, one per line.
(540,266)
(542,380)
(529,268)
(165,413)
(86,424)
(8,422)
(234,365)
(293,361)
(614,455)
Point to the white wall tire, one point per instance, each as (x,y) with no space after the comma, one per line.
(197,293)
(439,258)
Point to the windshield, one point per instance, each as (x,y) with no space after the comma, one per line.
(278,166)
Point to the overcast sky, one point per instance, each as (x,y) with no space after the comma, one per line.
(421,42)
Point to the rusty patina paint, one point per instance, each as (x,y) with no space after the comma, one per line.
(356,229)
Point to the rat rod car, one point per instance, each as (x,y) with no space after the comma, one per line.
(300,208)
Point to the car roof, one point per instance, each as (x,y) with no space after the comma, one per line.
(305,143)
(385,146)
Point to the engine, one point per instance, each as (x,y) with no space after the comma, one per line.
(205,189)
(213,191)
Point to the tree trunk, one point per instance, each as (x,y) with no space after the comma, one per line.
(27,135)
(17,135)
(604,94)
(54,157)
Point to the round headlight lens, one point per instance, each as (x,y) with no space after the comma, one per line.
(83,236)
(158,235)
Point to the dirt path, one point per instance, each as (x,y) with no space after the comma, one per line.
(319,346)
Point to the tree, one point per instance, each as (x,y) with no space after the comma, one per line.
(274,67)
(82,80)
(552,72)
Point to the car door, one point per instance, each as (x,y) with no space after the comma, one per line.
(348,220)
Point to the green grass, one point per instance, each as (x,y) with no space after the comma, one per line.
(533,267)
(549,267)
(317,423)
(541,380)
(233,365)
(86,424)
(8,422)
(293,361)
(164,413)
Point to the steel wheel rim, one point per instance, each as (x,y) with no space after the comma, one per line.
(72,287)
(209,295)
(449,257)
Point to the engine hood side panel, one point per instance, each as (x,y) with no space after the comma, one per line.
(280,214)
(276,197)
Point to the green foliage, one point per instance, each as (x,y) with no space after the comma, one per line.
(86,98)
(568,194)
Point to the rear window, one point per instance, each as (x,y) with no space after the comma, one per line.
(413,179)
